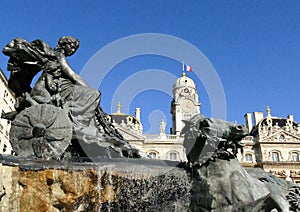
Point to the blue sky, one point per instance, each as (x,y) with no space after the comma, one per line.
(254,47)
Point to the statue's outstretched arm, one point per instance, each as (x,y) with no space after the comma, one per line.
(68,71)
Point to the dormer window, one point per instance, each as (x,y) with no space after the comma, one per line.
(4,148)
(249,158)
(129,120)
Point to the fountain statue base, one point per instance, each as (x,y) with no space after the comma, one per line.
(138,185)
(103,185)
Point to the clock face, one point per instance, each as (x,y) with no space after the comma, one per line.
(187,105)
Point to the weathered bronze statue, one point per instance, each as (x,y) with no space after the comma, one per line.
(60,117)
(209,138)
(61,113)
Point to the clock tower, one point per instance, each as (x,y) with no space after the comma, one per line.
(185,102)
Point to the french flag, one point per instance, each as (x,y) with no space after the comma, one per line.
(186,67)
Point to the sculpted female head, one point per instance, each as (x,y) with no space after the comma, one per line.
(68,44)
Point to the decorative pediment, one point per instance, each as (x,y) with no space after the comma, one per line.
(280,136)
(130,136)
(271,125)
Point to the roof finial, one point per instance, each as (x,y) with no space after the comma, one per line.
(119,108)
(183,74)
(268,111)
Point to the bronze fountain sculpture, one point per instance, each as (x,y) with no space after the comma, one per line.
(60,119)
(61,113)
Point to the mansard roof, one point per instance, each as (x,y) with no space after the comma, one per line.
(118,118)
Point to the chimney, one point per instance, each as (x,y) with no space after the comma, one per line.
(291,117)
(138,113)
(248,120)
(258,116)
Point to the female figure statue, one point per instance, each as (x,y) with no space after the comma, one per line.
(81,101)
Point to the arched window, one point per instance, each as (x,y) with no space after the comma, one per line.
(295,157)
(152,155)
(173,156)
(249,158)
(275,156)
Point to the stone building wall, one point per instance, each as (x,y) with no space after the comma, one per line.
(273,145)
(7,101)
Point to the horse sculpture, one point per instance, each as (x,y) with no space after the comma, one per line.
(209,138)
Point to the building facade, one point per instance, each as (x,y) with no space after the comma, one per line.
(184,105)
(157,146)
(273,145)
(7,102)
